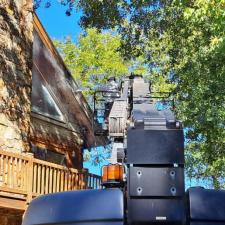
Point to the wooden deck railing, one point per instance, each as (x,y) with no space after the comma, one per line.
(23,176)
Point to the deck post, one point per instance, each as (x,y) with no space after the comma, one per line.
(30,170)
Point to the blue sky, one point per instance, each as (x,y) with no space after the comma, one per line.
(57,23)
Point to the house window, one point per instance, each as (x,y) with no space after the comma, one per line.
(48,155)
(42,101)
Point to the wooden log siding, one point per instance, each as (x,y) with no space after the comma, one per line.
(22,176)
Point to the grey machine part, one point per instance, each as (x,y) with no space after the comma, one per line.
(155,160)
(168,182)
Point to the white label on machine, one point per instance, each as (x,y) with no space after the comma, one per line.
(160,217)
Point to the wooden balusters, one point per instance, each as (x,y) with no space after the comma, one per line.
(30,177)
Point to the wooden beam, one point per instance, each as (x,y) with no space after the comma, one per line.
(10,203)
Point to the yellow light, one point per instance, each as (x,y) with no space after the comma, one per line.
(112,172)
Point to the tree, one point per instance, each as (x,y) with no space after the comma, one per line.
(199,45)
(94,58)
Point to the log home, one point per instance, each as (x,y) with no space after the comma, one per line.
(61,120)
(61,126)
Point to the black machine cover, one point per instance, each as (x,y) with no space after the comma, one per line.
(163,211)
(86,207)
(207,223)
(206,205)
(155,146)
(157,182)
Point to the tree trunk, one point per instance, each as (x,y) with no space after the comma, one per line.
(216,183)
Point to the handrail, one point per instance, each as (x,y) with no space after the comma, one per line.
(27,177)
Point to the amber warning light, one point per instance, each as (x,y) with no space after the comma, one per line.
(112,175)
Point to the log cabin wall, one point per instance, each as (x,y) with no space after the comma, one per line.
(52,132)
(61,120)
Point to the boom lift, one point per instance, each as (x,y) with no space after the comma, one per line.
(144,183)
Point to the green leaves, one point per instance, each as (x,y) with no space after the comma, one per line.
(95,58)
(200,87)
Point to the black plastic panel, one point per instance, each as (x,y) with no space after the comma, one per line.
(155,146)
(206,205)
(88,223)
(207,223)
(155,210)
(164,182)
(94,207)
